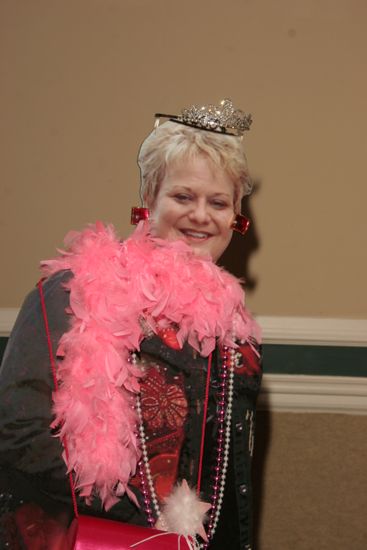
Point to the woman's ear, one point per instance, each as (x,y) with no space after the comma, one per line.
(237,207)
(149,201)
(233,217)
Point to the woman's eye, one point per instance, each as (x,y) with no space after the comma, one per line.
(219,204)
(182,197)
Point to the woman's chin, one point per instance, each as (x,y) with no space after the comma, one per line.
(200,249)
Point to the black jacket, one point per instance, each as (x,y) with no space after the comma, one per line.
(32,470)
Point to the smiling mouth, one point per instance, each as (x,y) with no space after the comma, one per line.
(197,235)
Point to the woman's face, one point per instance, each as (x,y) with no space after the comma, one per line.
(195,204)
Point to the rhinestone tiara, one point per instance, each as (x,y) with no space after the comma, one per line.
(222,118)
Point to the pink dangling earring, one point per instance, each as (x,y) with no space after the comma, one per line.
(240,224)
(139,213)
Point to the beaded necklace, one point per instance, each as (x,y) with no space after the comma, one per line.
(224,416)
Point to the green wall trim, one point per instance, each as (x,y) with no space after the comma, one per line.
(301,359)
(315,360)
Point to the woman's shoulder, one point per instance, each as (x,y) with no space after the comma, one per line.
(56,298)
(28,334)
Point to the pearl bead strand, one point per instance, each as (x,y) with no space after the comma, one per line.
(223,441)
(224,417)
(145,474)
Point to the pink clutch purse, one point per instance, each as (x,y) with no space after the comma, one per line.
(90,533)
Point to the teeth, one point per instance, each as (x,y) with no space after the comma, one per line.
(196,235)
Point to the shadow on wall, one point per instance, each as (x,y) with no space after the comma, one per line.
(236,258)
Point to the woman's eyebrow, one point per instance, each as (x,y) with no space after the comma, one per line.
(188,188)
(222,194)
(181,187)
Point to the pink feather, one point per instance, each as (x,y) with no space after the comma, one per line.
(117,289)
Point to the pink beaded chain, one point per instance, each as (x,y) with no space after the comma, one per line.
(224,416)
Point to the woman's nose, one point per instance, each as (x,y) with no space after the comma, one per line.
(199,212)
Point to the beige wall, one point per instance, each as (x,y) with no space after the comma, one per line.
(80,80)
(310,480)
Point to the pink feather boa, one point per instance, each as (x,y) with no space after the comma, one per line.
(117,289)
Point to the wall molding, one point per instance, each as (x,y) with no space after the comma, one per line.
(313,331)
(295,392)
(276,330)
(313,394)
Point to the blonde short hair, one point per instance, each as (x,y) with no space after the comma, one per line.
(173,142)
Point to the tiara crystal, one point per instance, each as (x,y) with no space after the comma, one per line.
(222,118)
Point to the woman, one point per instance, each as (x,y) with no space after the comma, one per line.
(158,365)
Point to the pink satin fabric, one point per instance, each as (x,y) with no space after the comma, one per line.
(89,533)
